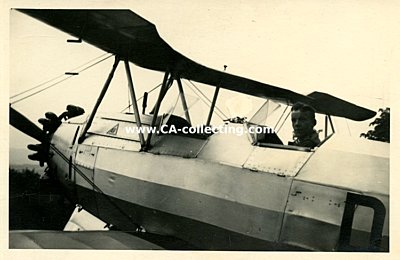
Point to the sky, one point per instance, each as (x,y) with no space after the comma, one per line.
(345,48)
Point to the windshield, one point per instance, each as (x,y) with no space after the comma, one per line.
(277,117)
(265,112)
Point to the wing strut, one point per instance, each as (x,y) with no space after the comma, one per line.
(331,123)
(134,103)
(102,94)
(183,99)
(163,91)
(98,102)
(214,101)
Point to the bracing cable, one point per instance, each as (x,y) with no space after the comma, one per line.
(59,76)
(159,85)
(58,82)
(209,101)
(95,187)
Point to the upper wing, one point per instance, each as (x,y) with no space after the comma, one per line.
(330,105)
(125,33)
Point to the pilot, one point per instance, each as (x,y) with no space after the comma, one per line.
(303,122)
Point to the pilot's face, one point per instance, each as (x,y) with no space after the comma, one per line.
(303,123)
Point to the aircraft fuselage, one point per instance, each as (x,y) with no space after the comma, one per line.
(223,192)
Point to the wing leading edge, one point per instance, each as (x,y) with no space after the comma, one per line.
(125,33)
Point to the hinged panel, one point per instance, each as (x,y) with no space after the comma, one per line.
(86,156)
(85,160)
(278,161)
(177,145)
(313,209)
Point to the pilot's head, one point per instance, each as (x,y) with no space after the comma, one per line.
(303,120)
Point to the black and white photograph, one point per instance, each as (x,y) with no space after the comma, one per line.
(248,127)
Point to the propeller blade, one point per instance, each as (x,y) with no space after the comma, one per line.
(26,126)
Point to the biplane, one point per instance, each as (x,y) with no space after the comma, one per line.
(213,190)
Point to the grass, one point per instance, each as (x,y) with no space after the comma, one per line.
(34,203)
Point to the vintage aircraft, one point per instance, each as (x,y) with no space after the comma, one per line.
(213,190)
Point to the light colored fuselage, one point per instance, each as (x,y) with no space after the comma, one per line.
(222,192)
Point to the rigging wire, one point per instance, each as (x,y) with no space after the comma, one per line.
(159,85)
(219,110)
(204,101)
(44,83)
(52,85)
(96,188)
(348,127)
(204,96)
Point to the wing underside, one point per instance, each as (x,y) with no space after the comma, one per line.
(127,34)
(77,240)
